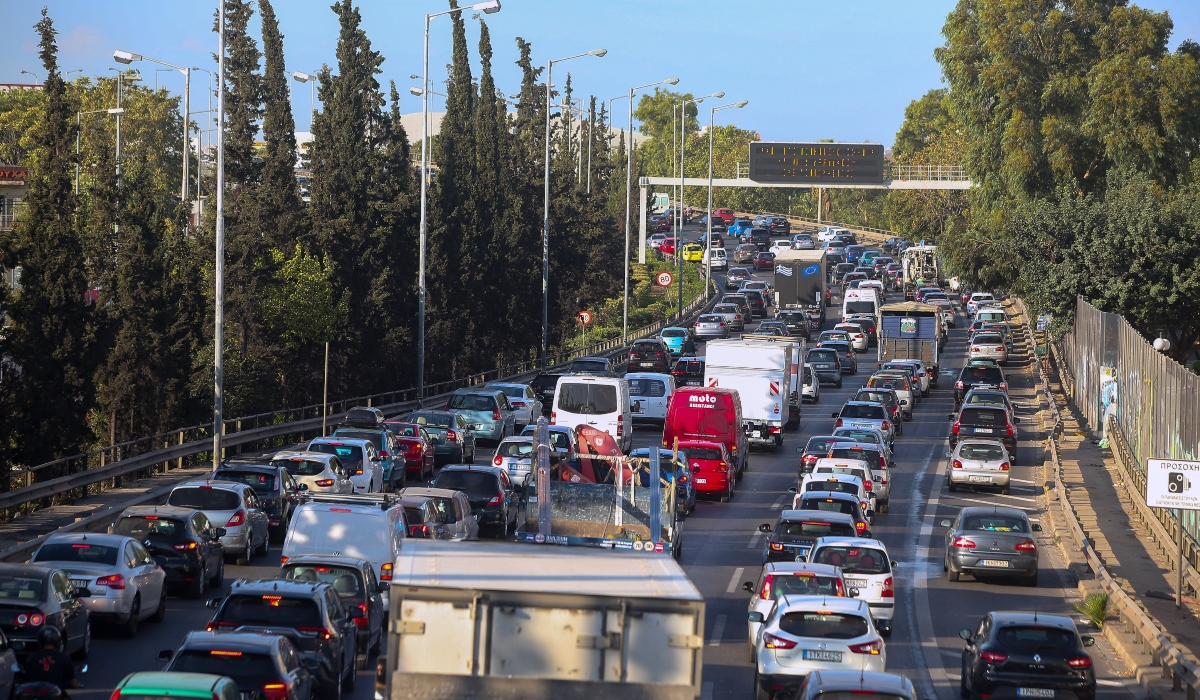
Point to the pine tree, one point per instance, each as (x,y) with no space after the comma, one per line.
(281,216)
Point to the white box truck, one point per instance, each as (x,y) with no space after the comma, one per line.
(760,369)
(509,621)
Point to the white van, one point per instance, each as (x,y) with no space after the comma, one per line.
(649,395)
(364,527)
(601,402)
(720,259)
(860,301)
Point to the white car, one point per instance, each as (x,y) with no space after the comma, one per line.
(716,259)
(840,483)
(649,395)
(524,401)
(124,583)
(779,246)
(315,471)
(858,337)
(827,233)
(232,506)
(515,455)
(780,578)
(656,240)
(802,634)
(803,241)
(360,458)
(867,569)
(810,388)
(898,383)
(986,345)
(979,463)
(976,299)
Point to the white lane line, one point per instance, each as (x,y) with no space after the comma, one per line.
(935,679)
(733,582)
(779,502)
(706,690)
(754,540)
(998,502)
(718,631)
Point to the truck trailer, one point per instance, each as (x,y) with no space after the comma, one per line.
(911,331)
(760,369)
(799,278)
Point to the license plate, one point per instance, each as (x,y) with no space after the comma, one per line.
(1035,692)
(987,431)
(83,583)
(1001,563)
(856,583)
(647,364)
(701,481)
(816,655)
(980,479)
(863,425)
(756,433)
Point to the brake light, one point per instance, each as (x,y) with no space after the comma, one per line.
(810,459)
(889,589)
(220,625)
(974,349)
(283,560)
(497,460)
(773,429)
(957,464)
(871,648)
(770,641)
(497,499)
(34,620)
(451,435)
(518,404)
(958,384)
(186,546)
(1009,432)
(554,414)
(239,518)
(1080,662)
(275,691)
(860,526)
(1003,386)
(1026,546)
(423,529)
(340,510)
(620,427)
(992,657)
(867,484)
(322,632)
(765,593)
(885,425)
(838,424)
(324,482)
(385,572)
(882,464)
(962,543)
(360,615)
(954,428)
(722,467)
(776,547)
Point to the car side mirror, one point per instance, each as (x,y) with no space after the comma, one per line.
(834,414)
(166,655)
(870,514)
(1088,640)
(964,634)
(903,402)
(218,532)
(765,527)
(755,616)
(160,560)
(800,450)
(1036,527)
(1016,419)
(792,490)
(895,563)
(212,603)
(748,586)
(303,487)
(945,523)
(949,416)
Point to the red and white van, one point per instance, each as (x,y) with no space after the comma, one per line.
(715,414)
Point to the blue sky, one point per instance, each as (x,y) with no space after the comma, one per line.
(810,68)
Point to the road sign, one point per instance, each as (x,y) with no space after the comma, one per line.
(1043,321)
(584,317)
(664,279)
(1173,483)
(817,163)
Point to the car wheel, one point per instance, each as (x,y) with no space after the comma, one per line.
(351,678)
(838,383)
(218,578)
(82,653)
(963,691)
(161,613)
(243,559)
(195,589)
(1031,581)
(761,693)
(266,544)
(1006,490)
(952,575)
(130,628)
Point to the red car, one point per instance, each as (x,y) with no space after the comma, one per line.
(417,447)
(667,247)
(712,467)
(764,261)
(725,214)
(660,225)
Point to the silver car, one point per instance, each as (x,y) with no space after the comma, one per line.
(710,326)
(989,346)
(866,414)
(525,404)
(733,316)
(515,455)
(453,508)
(991,540)
(124,583)
(315,471)
(230,505)
(979,463)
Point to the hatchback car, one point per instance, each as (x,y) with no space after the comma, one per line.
(515,455)
(263,666)
(790,538)
(991,540)
(777,328)
(796,322)
(124,583)
(649,396)
(355,583)
(898,383)
(837,502)
(276,488)
(765,260)
(451,433)
(233,507)
(712,468)
(648,355)
(979,463)
(789,578)
(817,448)
(835,483)
(889,399)
(867,570)
(453,509)
(989,346)
(1034,654)
(858,336)
(488,411)
(848,356)
(673,338)
(182,541)
(489,490)
(693,252)
(924,375)
(826,364)
(525,404)
(732,315)
(710,326)
(757,301)
(34,596)
(827,685)
(544,385)
(422,519)
(985,422)
(736,275)
(742,302)
(362,461)
(316,472)
(185,686)
(391,454)
(689,371)
(863,414)
(418,449)
(810,388)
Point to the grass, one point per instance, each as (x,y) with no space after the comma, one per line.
(1094,608)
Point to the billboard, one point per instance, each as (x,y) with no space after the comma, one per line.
(817,163)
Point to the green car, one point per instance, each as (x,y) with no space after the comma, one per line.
(156,685)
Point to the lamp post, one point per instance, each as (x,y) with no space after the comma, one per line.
(708,236)
(311,79)
(628,187)
(116,111)
(487,7)
(599,53)
(682,175)
(131,76)
(35,78)
(219,228)
(127,58)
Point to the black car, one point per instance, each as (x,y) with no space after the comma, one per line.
(592,367)
(735,277)
(842,269)
(778,225)
(794,533)
(890,401)
(867,322)
(890,244)
(489,491)
(974,375)
(355,583)
(716,241)
(818,446)
(34,596)
(836,502)
(758,303)
(796,321)
(649,355)
(311,616)
(265,667)
(689,371)
(544,385)
(846,352)
(987,422)
(1024,650)
(183,541)
(275,487)
(760,237)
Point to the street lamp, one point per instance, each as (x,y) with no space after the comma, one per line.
(117,111)
(127,58)
(682,194)
(487,7)
(708,244)
(628,186)
(35,78)
(682,130)
(310,78)
(598,53)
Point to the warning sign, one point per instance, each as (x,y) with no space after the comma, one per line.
(664,279)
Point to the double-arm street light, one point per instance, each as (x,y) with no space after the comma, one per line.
(599,53)
(487,7)
(682,175)
(628,187)
(117,111)
(708,237)
(127,58)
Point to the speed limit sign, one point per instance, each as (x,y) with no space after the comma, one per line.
(585,317)
(664,279)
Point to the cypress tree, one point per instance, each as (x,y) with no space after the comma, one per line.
(46,384)
(280,212)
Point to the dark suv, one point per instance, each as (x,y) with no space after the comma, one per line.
(275,487)
(310,615)
(649,355)
(544,385)
(689,371)
(355,583)
(796,321)
(489,491)
(791,538)
(265,667)
(975,375)
(987,422)
(183,541)
(758,303)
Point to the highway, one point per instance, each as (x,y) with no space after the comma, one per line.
(722,548)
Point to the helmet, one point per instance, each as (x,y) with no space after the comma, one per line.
(50,636)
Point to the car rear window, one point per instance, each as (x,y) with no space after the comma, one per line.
(820,444)
(704,453)
(588,366)
(855,410)
(829,505)
(350,455)
(837,486)
(893,383)
(150,526)
(673,333)
(261,482)
(822,356)
(432,421)
(375,438)
(204,498)
(725,309)
(346,582)
(1029,639)
(515,449)
(711,318)
(823,625)
(982,451)
(647,387)
(801,583)
(859,307)
(270,610)
(247,669)
(690,367)
(470,483)
(513,392)
(857,435)
(875,397)
(298,466)
(995,523)
(81,552)
(820,528)
(854,560)
(987,339)
(587,398)
(475,402)
(983,416)
(404,430)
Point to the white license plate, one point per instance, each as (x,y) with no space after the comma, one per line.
(817,655)
(862,425)
(1035,692)
(980,479)
(701,481)
(756,433)
(856,583)
(1000,563)
(987,431)
(83,583)
(647,364)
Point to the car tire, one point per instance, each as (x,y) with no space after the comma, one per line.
(963,691)
(82,653)
(953,576)
(1006,490)
(243,559)
(838,384)
(218,578)
(761,693)
(130,628)
(161,613)
(1031,581)
(266,545)
(195,589)
(951,486)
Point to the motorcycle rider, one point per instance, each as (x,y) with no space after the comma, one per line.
(49,664)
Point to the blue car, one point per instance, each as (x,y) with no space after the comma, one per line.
(686,495)
(674,337)
(487,411)
(385,443)
(739,227)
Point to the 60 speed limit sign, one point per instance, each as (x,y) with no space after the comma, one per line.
(585,317)
(664,279)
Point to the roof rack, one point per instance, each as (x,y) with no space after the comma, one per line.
(383,500)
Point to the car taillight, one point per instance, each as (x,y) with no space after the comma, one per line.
(620,427)
(810,459)
(1026,546)
(1004,466)
(872,648)
(889,588)
(1003,386)
(954,428)
(283,560)
(958,384)
(239,518)
(275,691)
(773,430)
(186,546)
(385,572)
(697,324)
(497,499)
(838,424)
(322,632)
(324,482)
(360,615)
(963,543)
(770,641)
(423,529)
(849,355)
(385,455)
(212,626)
(554,414)
(885,425)
(1009,430)
(496,415)
(775,546)
(957,464)
(867,485)
(518,404)
(882,464)
(974,349)
(1080,662)
(497,460)
(34,620)
(451,436)
(992,657)
(722,467)
(860,526)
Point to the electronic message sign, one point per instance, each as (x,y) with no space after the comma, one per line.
(817,163)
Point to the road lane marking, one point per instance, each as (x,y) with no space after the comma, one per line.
(1000,503)
(733,582)
(706,690)
(718,631)
(779,502)
(754,540)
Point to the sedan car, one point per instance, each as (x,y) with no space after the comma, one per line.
(124,583)
(858,336)
(315,471)
(488,410)
(989,346)
(991,540)
(525,404)
(234,507)
(789,578)
(764,261)
(733,316)
(263,666)
(453,441)
(737,275)
(515,455)
(33,596)
(453,508)
(710,326)
(843,348)
(182,541)
(277,489)
(979,463)
(1035,654)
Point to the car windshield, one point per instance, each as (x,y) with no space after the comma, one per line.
(854,560)
(673,333)
(521,450)
(819,528)
(261,482)
(15,587)
(587,398)
(470,483)
(859,307)
(643,386)
(270,610)
(801,583)
(347,582)
(988,417)
(81,552)
(1030,639)
(432,420)
(204,498)
(476,402)
(142,527)
(298,466)
(247,669)
(995,523)
(350,455)
(375,438)
(865,411)
(981,451)
(823,625)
